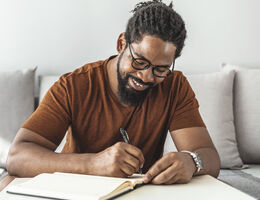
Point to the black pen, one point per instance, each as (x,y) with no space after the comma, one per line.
(126,139)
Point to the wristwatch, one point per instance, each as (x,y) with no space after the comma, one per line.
(197,160)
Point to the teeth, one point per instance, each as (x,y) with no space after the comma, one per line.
(138,84)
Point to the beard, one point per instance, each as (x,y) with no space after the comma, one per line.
(130,96)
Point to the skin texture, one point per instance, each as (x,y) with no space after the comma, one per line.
(31,154)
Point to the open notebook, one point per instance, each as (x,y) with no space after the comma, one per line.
(75,186)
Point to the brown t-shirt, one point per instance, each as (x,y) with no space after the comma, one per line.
(84,101)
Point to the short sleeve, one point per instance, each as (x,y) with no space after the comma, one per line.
(186,112)
(53,116)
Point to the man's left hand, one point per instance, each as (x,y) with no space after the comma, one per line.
(174,167)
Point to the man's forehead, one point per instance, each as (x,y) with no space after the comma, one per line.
(155,49)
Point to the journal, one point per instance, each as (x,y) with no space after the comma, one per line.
(76,186)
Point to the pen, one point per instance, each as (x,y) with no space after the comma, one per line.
(126,140)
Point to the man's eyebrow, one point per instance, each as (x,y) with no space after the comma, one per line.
(141,56)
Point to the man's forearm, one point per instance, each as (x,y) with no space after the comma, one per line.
(211,161)
(29,159)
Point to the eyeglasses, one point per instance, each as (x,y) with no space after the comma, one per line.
(142,64)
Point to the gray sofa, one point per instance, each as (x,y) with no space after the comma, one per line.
(229,104)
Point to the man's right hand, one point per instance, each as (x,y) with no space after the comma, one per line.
(32,154)
(119,160)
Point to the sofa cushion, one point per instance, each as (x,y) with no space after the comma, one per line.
(214,94)
(246,180)
(16,105)
(247,111)
(254,170)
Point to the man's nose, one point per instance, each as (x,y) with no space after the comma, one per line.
(146,75)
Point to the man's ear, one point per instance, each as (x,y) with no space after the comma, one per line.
(121,43)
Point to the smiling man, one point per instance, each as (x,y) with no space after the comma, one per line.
(137,90)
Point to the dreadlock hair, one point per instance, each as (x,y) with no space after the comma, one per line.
(157,19)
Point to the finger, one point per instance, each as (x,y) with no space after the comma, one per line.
(184,179)
(119,173)
(136,152)
(157,168)
(166,175)
(127,169)
(132,161)
(173,180)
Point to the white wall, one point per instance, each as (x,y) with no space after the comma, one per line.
(61,35)
(220,31)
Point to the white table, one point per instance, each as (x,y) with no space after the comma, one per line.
(200,188)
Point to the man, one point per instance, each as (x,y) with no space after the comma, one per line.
(136,90)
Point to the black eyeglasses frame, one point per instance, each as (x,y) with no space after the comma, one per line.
(150,65)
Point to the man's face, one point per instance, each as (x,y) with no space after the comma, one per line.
(133,84)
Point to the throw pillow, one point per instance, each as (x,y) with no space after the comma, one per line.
(247,111)
(16,105)
(214,94)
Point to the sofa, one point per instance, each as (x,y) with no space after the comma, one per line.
(229,104)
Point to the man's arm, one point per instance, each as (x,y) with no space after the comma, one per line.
(178,167)
(198,140)
(31,154)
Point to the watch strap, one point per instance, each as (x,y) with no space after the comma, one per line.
(196,160)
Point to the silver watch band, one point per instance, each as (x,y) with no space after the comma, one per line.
(196,158)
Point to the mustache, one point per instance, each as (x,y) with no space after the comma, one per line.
(140,81)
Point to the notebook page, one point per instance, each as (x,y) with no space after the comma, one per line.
(69,186)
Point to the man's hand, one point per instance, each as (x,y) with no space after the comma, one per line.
(119,160)
(174,167)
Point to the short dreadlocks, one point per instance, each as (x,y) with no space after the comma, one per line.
(156,18)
